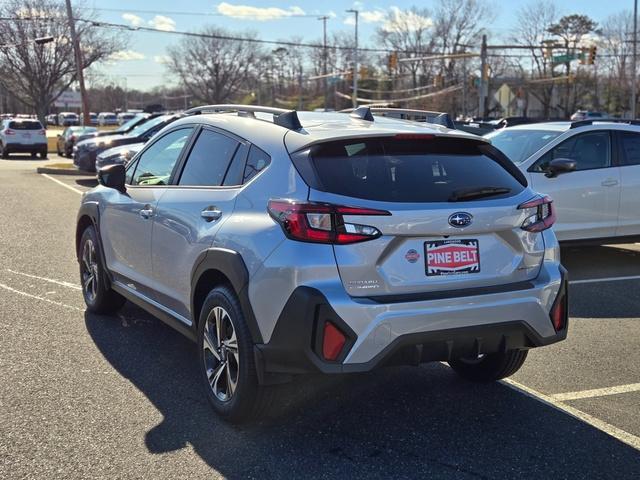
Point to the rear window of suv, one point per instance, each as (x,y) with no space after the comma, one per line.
(25,125)
(400,170)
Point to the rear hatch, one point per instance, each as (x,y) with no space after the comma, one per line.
(445,213)
(26,132)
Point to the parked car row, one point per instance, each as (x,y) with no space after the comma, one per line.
(67,119)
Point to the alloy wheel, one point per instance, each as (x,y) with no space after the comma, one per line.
(89,271)
(221,359)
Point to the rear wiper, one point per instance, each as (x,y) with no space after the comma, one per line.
(476,192)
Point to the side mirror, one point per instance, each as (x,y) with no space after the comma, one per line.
(113,176)
(560,165)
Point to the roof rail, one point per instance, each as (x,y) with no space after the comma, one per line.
(439,118)
(584,123)
(284,118)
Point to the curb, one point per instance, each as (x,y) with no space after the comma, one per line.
(64,171)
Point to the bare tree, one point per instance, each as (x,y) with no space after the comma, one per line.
(615,58)
(410,34)
(533,22)
(37,74)
(214,69)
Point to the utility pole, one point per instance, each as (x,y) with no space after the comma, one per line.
(634,59)
(324,60)
(483,87)
(79,65)
(355,63)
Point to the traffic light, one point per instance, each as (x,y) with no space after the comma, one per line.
(584,56)
(591,59)
(438,81)
(392,61)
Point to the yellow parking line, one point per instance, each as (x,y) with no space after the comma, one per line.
(596,392)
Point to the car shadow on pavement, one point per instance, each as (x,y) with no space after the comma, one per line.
(399,422)
(87,182)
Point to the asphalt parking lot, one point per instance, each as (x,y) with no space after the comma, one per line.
(86,396)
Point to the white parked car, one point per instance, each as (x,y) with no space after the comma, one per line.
(107,118)
(23,136)
(124,117)
(590,168)
(68,119)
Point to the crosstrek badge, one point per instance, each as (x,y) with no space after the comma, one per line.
(452,257)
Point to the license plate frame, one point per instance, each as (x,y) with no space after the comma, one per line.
(459,256)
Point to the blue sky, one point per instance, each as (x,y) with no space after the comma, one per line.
(141,64)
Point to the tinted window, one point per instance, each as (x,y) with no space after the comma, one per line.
(209,159)
(156,164)
(589,150)
(25,125)
(257,161)
(146,126)
(434,170)
(235,171)
(631,148)
(518,144)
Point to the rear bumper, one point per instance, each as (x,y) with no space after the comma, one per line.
(25,148)
(411,332)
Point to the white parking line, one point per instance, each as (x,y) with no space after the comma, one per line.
(605,279)
(605,427)
(25,294)
(62,183)
(596,392)
(50,280)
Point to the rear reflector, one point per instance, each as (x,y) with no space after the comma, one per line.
(558,312)
(332,342)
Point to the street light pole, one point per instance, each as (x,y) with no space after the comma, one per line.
(634,60)
(324,60)
(355,63)
(79,72)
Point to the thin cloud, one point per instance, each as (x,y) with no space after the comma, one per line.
(161,22)
(134,20)
(258,13)
(405,20)
(366,16)
(161,59)
(126,56)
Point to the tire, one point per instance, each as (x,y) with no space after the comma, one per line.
(98,295)
(59,152)
(490,367)
(219,363)
(4,153)
(34,154)
(43,154)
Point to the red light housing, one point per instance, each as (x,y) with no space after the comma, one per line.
(8,131)
(322,223)
(42,132)
(559,311)
(333,341)
(543,214)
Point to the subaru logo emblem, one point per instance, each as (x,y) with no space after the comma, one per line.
(460,219)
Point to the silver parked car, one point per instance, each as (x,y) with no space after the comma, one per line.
(286,243)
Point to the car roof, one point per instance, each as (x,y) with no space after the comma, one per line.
(317,127)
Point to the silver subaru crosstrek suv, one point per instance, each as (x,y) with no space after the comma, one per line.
(286,243)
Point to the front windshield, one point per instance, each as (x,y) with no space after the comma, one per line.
(141,129)
(518,144)
(127,125)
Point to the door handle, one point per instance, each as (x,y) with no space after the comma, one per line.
(210,214)
(609,182)
(146,212)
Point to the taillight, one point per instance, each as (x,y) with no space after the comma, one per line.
(322,223)
(8,131)
(542,214)
(42,132)
(333,341)
(72,138)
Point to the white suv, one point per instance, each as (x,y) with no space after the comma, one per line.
(590,168)
(23,136)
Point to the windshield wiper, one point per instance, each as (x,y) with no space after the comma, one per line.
(476,192)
